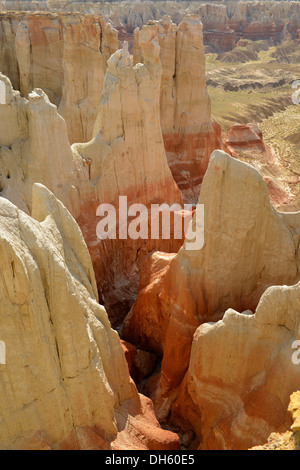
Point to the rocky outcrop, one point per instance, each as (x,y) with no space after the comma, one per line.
(245,142)
(189,131)
(88,42)
(239,55)
(234,394)
(294,409)
(143,326)
(223,24)
(39,50)
(34,147)
(64,55)
(244,136)
(289,440)
(128,159)
(119,116)
(264,20)
(217,32)
(62,357)
(8,59)
(248,246)
(125,158)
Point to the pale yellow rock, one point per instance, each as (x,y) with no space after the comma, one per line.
(125,158)
(165,32)
(241,373)
(294,409)
(193,102)
(65,369)
(88,42)
(8,60)
(248,247)
(34,147)
(14,123)
(248,244)
(189,131)
(63,54)
(128,131)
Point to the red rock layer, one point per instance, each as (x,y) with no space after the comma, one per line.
(117,263)
(233,269)
(188,156)
(189,131)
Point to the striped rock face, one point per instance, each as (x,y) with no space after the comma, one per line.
(64,382)
(248,246)
(189,131)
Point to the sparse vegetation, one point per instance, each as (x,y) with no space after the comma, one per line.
(261,92)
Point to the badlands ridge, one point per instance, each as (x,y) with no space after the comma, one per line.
(139,343)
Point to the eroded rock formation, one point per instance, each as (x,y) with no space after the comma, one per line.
(217,33)
(189,131)
(128,159)
(245,142)
(245,136)
(63,54)
(125,158)
(35,148)
(248,246)
(224,24)
(289,440)
(241,374)
(65,383)
(221,371)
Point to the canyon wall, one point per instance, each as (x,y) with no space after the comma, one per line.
(223,24)
(88,43)
(65,383)
(218,34)
(126,157)
(248,247)
(63,54)
(34,147)
(90,124)
(234,392)
(189,132)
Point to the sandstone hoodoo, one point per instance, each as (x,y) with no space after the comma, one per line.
(189,131)
(63,54)
(125,158)
(289,440)
(223,24)
(65,384)
(249,246)
(128,159)
(235,394)
(242,136)
(149,226)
